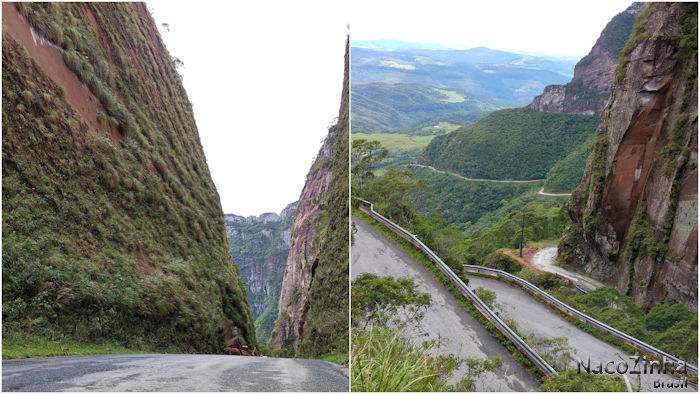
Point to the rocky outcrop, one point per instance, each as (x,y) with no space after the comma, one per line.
(589,89)
(313,314)
(635,213)
(259,246)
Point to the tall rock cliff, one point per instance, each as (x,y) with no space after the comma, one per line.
(259,247)
(589,89)
(635,213)
(112,227)
(313,306)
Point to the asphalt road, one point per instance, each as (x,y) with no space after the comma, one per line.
(459,332)
(545,260)
(171,372)
(537,319)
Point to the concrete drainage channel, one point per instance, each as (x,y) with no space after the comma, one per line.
(552,302)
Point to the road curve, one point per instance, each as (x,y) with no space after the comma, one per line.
(171,372)
(544,260)
(542,193)
(459,332)
(478,179)
(537,319)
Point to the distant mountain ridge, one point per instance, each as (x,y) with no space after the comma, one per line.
(389,44)
(405,88)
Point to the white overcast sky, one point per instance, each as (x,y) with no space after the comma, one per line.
(265,77)
(568,28)
(265,80)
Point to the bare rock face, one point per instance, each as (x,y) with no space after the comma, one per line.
(588,91)
(313,315)
(636,209)
(303,256)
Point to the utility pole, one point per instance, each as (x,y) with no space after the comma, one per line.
(522,234)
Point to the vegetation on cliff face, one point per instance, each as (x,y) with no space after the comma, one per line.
(515,143)
(326,327)
(259,247)
(110,235)
(636,212)
(313,320)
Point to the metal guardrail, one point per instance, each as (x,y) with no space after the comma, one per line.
(484,310)
(619,335)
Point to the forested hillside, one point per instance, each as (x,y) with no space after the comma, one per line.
(112,227)
(517,143)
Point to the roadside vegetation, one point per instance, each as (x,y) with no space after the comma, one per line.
(542,221)
(385,356)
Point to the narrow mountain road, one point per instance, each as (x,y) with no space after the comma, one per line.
(536,319)
(541,192)
(459,333)
(545,261)
(171,372)
(478,179)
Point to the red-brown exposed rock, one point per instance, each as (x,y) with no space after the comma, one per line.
(636,208)
(232,351)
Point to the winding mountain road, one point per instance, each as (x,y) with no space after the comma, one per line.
(478,179)
(544,260)
(171,372)
(536,319)
(459,333)
(540,192)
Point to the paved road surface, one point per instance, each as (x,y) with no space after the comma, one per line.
(171,372)
(541,192)
(544,260)
(480,179)
(535,318)
(465,336)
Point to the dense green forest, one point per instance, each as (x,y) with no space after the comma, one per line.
(382,107)
(517,143)
(112,227)
(566,174)
(464,202)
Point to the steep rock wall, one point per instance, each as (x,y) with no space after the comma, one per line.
(112,226)
(589,89)
(313,306)
(259,247)
(635,213)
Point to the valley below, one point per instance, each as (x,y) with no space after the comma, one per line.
(555,178)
